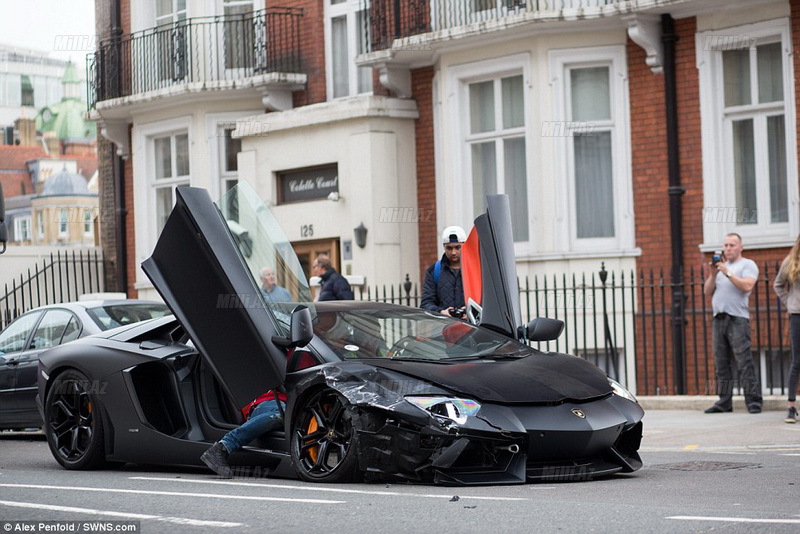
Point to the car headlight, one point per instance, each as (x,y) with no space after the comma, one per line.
(620,390)
(451,408)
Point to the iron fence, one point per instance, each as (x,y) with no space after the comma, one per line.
(621,322)
(60,278)
(199,49)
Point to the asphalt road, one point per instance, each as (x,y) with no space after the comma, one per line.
(725,473)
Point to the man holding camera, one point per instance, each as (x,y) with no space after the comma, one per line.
(443,291)
(729,283)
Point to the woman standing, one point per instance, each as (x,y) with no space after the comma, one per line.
(787,286)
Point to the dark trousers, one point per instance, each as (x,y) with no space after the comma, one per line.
(732,348)
(794,370)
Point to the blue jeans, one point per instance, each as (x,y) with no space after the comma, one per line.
(794,370)
(732,351)
(265,418)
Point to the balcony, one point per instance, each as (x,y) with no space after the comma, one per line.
(404,34)
(257,51)
(390,20)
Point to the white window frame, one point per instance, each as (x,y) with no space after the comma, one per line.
(215,125)
(40,224)
(260,32)
(88,222)
(63,223)
(175,179)
(561,62)
(349,9)
(718,170)
(22,229)
(460,198)
(143,150)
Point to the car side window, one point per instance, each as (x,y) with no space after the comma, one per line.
(72,331)
(50,329)
(13,338)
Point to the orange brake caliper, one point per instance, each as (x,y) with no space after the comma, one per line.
(312,427)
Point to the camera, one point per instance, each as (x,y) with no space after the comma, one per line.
(717,257)
(458,312)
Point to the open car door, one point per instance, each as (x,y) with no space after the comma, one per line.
(206,265)
(490,274)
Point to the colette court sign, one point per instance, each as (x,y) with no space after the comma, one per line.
(308,184)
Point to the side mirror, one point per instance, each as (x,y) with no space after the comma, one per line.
(301,329)
(3,230)
(544,329)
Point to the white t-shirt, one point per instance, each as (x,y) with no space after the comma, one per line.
(727,297)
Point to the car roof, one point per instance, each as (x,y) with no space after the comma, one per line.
(89,304)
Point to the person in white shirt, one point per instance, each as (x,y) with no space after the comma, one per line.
(729,285)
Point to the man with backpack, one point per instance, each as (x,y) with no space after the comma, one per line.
(443,290)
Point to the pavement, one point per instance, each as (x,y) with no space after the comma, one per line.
(701,402)
(738,432)
(675,423)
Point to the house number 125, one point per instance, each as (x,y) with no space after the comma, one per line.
(307,230)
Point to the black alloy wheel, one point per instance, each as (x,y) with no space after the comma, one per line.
(73,424)
(324,439)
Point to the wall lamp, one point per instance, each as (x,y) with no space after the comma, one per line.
(360,232)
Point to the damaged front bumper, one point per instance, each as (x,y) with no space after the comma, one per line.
(503,444)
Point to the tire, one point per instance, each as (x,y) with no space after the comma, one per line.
(324,439)
(73,424)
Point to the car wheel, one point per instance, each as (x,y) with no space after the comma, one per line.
(73,424)
(324,439)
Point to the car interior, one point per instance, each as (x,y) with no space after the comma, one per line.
(211,412)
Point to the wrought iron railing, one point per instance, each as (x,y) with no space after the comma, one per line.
(200,49)
(394,19)
(60,278)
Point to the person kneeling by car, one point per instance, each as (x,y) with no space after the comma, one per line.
(262,415)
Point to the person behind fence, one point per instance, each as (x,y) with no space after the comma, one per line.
(729,283)
(270,289)
(261,416)
(334,286)
(443,289)
(787,286)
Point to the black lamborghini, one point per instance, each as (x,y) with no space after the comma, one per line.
(375,391)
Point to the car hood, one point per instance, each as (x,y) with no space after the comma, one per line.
(541,378)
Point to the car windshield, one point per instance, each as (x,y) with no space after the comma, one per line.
(408,334)
(114,315)
(265,247)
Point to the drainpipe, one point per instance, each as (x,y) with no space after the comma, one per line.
(668,39)
(119,164)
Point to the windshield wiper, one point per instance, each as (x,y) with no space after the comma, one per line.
(489,355)
(412,359)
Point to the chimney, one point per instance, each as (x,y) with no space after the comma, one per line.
(26,129)
(52,145)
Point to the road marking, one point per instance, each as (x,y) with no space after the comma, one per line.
(334,490)
(735,519)
(172,493)
(126,515)
(690,447)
